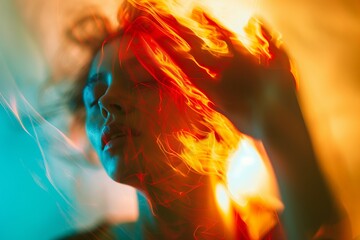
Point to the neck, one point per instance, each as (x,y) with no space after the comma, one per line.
(185,208)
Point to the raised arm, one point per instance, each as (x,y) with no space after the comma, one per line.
(261,101)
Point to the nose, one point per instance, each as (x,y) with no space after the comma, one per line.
(117,100)
(110,109)
(106,110)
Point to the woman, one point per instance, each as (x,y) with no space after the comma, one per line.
(146,118)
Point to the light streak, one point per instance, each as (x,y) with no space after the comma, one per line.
(38,128)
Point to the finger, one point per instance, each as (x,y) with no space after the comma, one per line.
(280,58)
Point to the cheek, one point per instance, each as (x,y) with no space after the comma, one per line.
(93,133)
(167,114)
(148,104)
(163,113)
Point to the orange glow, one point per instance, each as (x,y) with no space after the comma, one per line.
(245,27)
(252,187)
(222,198)
(249,176)
(236,162)
(225,206)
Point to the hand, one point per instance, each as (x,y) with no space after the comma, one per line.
(241,86)
(260,99)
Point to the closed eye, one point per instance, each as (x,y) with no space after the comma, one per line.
(95,88)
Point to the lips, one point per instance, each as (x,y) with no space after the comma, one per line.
(111,135)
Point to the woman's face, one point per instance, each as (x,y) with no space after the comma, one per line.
(128,112)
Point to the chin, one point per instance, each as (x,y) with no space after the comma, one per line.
(125,173)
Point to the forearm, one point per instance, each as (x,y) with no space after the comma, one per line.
(306,195)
